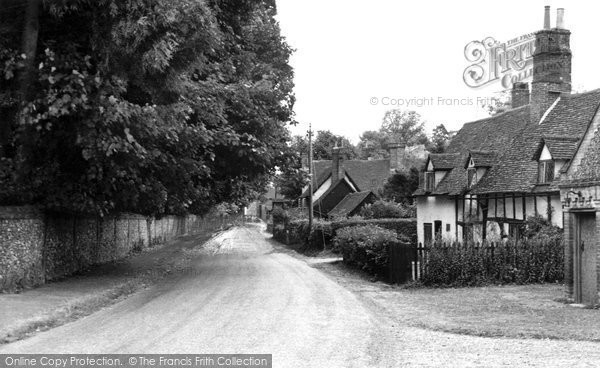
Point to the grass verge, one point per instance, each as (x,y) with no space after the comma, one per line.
(538,311)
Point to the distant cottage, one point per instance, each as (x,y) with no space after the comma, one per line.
(500,170)
(342,187)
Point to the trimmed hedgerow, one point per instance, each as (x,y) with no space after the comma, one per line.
(322,233)
(366,247)
(405,228)
(536,260)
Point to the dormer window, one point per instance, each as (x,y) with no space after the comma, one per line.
(471,176)
(429,181)
(545,171)
(552,155)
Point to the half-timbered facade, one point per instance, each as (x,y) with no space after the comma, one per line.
(499,171)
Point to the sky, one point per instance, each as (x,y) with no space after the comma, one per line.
(355,60)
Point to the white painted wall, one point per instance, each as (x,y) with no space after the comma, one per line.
(439,175)
(431,209)
(545,154)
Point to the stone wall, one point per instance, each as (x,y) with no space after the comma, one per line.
(37,247)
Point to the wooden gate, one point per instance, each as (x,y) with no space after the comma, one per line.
(400,261)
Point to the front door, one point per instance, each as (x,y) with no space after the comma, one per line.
(427,234)
(585,281)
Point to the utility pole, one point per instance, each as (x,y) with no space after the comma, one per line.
(310,177)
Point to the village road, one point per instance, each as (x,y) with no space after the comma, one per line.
(245,295)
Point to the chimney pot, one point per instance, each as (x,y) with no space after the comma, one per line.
(547,17)
(396,151)
(519,95)
(337,165)
(560,18)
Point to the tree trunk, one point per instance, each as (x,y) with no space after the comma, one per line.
(29,47)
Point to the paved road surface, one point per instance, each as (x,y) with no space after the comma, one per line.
(243,296)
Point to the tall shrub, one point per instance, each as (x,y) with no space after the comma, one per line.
(386,209)
(365,247)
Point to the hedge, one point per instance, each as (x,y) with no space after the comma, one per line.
(405,228)
(366,247)
(323,232)
(536,260)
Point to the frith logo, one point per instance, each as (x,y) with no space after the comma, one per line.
(492,61)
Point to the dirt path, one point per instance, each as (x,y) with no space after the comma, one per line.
(244,296)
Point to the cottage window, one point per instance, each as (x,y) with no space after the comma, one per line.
(471,176)
(429,181)
(437,229)
(545,171)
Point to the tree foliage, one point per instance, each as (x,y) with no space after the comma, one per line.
(293,176)
(401,186)
(326,140)
(406,127)
(439,139)
(397,126)
(150,106)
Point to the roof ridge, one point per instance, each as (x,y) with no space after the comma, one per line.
(582,93)
(562,137)
(498,115)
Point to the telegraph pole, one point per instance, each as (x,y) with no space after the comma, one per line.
(310,177)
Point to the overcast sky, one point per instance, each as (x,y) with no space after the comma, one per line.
(352,57)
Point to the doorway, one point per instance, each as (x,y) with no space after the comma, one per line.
(584,259)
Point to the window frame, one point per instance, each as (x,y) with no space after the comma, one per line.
(471,176)
(546,171)
(429,181)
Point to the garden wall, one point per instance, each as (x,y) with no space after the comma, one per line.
(37,247)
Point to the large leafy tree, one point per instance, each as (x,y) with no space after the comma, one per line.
(397,126)
(440,139)
(405,127)
(150,106)
(325,141)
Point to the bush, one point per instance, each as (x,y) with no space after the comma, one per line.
(316,238)
(406,229)
(384,209)
(280,216)
(366,247)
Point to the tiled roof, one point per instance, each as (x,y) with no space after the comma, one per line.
(589,169)
(366,174)
(349,204)
(495,133)
(516,170)
(322,173)
(443,161)
(482,158)
(561,148)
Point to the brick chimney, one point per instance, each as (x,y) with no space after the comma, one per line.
(396,151)
(551,65)
(519,95)
(337,164)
